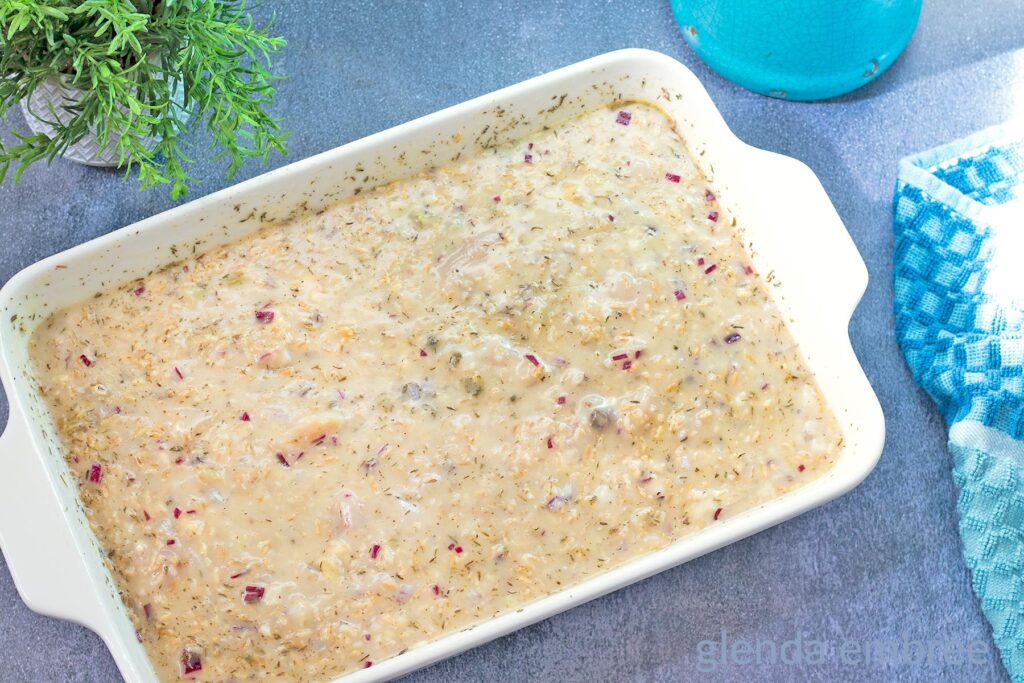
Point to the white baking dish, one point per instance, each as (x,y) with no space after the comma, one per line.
(794,232)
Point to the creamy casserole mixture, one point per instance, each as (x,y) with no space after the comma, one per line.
(438,401)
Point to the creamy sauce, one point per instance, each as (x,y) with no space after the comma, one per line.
(436,402)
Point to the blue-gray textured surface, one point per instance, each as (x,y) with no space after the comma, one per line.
(882,563)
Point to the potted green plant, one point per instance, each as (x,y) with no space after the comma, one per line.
(114,82)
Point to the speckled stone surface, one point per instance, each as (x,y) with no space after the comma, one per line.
(882,563)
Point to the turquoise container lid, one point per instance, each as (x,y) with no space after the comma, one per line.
(798,49)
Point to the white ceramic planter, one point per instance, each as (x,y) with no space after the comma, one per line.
(50,101)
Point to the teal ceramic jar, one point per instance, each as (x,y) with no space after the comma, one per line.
(798,49)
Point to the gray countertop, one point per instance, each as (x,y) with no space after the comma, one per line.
(882,563)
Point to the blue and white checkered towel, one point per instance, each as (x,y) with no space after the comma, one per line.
(959,302)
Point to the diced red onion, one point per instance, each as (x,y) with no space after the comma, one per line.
(264,316)
(178,373)
(375,551)
(732,337)
(555,502)
(528,158)
(85,360)
(672,177)
(551,443)
(620,356)
(436,589)
(717,513)
(801,468)
(147,609)
(713,216)
(423,354)
(191,662)
(253,593)
(709,196)
(177,512)
(138,290)
(533,359)
(96,473)
(710,269)
(245,417)
(700,261)
(281,459)
(680,295)
(627,365)
(561,400)
(171,541)
(623,118)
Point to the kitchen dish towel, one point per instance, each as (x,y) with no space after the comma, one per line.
(958,284)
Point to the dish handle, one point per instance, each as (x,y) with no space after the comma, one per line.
(35,537)
(833,275)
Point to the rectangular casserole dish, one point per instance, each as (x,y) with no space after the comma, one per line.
(53,555)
